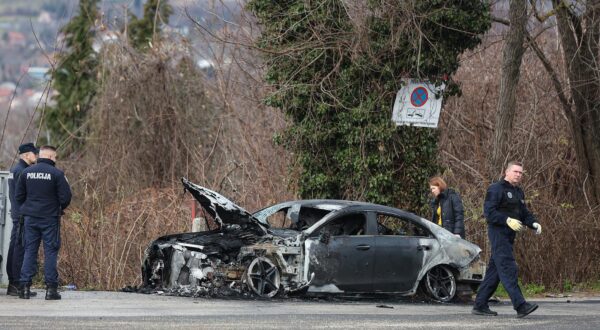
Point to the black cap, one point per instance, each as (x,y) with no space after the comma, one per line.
(28,147)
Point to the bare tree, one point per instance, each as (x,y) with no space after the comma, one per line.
(511,66)
(579,31)
(578,27)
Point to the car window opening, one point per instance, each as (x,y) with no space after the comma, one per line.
(393,226)
(291,218)
(348,225)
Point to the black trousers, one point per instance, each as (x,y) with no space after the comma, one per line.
(16,253)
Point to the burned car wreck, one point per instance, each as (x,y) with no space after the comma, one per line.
(312,247)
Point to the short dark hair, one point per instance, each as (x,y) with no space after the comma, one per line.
(438,182)
(514,162)
(53,148)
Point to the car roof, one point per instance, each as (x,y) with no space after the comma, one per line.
(324,204)
(334,206)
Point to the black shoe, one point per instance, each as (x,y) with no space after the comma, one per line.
(31,293)
(485,311)
(12,290)
(24,292)
(526,309)
(52,294)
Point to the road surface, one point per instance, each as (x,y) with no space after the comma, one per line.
(119,310)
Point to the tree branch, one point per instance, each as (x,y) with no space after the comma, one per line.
(500,20)
(544,17)
(564,100)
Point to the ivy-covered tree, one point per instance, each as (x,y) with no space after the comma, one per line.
(74,78)
(146,29)
(335,71)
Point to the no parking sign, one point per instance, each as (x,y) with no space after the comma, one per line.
(418,104)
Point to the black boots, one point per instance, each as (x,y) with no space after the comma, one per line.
(485,311)
(25,292)
(52,293)
(13,289)
(526,309)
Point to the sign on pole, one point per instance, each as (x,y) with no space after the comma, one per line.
(418,104)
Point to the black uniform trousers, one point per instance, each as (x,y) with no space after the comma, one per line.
(16,252)
(501,268)
(37,230)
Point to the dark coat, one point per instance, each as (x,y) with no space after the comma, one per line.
(43,190)
(15,173)
(453,213)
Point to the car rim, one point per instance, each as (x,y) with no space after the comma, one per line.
(263,277)
(441,284)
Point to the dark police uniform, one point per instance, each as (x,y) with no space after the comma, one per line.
(15,249)
(502,201)
(44,193)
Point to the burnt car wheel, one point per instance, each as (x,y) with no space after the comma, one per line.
(440,284)
(263,277)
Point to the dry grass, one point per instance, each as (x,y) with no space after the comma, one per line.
(104,250)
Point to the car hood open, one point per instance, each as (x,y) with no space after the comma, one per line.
(222,209)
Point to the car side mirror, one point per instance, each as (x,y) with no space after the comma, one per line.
(325,237)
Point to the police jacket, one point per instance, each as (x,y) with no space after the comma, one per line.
(15,172)
(43,190)
(453,213)
(503,200)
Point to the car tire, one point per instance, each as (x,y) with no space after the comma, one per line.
(440,284)
(263,277)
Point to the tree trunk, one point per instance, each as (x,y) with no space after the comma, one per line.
(511,66)
(579,37)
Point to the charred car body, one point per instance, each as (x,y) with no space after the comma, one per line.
(322,246)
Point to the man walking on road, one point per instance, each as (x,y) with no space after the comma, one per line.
(27,156)
(44,193)
(506,212)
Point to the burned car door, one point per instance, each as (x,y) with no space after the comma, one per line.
(340,255)
(401,246)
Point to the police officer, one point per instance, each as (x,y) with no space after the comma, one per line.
(506,214)
(44,193)
(27,156)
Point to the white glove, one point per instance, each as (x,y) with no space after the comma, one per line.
(514,224)
(538,228)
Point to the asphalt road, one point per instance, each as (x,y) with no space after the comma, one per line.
(113,310)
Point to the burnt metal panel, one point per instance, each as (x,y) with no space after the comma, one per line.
(398,261)
(222,209)
(345,261)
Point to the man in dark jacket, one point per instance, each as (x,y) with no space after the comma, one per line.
(506,212)
(44,193)
(27,156)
